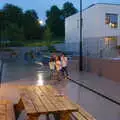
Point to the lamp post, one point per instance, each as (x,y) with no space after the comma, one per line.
(81,54)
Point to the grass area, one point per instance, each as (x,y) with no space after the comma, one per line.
(34,43)
(37,43)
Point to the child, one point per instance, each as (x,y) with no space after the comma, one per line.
(64,61)
(52,67)
(58,67)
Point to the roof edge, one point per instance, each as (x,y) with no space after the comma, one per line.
(99,4)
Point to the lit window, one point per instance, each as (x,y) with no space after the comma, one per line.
(110,41)
(111,20)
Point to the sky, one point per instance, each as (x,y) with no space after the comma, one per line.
(41,6)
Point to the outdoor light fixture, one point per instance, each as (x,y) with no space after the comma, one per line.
(40,22)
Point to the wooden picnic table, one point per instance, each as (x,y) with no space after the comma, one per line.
(6,110)
(43,100)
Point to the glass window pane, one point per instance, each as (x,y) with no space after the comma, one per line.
(111,20)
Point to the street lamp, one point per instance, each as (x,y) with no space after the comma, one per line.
(40,22)
(81,56)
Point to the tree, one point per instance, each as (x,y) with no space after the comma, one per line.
(54,22)
(32,13)
(13,14)
(56,18)
(48,35)
(31,25)
(68,9)
(13,33)
(1,22)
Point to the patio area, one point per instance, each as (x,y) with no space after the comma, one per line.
(15,74)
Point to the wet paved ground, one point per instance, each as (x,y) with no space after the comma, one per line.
(15,74)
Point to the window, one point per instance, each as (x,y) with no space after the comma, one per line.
(111,20)
(110,41)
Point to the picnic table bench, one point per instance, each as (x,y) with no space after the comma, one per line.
(6,110)
(81,114)
(44,100)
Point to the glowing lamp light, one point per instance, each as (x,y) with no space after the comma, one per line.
(40,22)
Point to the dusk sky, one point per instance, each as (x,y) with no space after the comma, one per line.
(42,5)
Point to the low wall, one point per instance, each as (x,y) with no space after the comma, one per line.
(102,67)
(73,65)
(107,68)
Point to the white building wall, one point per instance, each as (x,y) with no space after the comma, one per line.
(94,27)
(72,28)
(94,21)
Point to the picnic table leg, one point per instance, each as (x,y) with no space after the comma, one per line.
(57,116)
(65,116)
(18,108)
(32,117)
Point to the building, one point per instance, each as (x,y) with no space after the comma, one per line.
(101,28)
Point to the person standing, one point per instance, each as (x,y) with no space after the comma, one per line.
(58,66)
(64,61)
(52,67)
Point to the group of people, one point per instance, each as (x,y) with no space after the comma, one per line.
(58,64)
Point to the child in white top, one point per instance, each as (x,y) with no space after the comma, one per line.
(52,67)
(64,61)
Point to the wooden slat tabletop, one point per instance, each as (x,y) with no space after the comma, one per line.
(45,99)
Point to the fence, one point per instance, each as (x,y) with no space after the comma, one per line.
(92,47)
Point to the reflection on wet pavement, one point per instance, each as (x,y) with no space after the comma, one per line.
(20,74)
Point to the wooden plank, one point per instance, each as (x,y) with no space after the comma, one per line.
(64,100)
(51,97)
(10,112)
(4,102)
(49,106)
(85,113)
(26,99)
(78,116)
(2,117)
(6,110)
(2,109)
(2,112)
(39,106)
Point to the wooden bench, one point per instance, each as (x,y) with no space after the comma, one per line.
(6,110)
(81,115)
